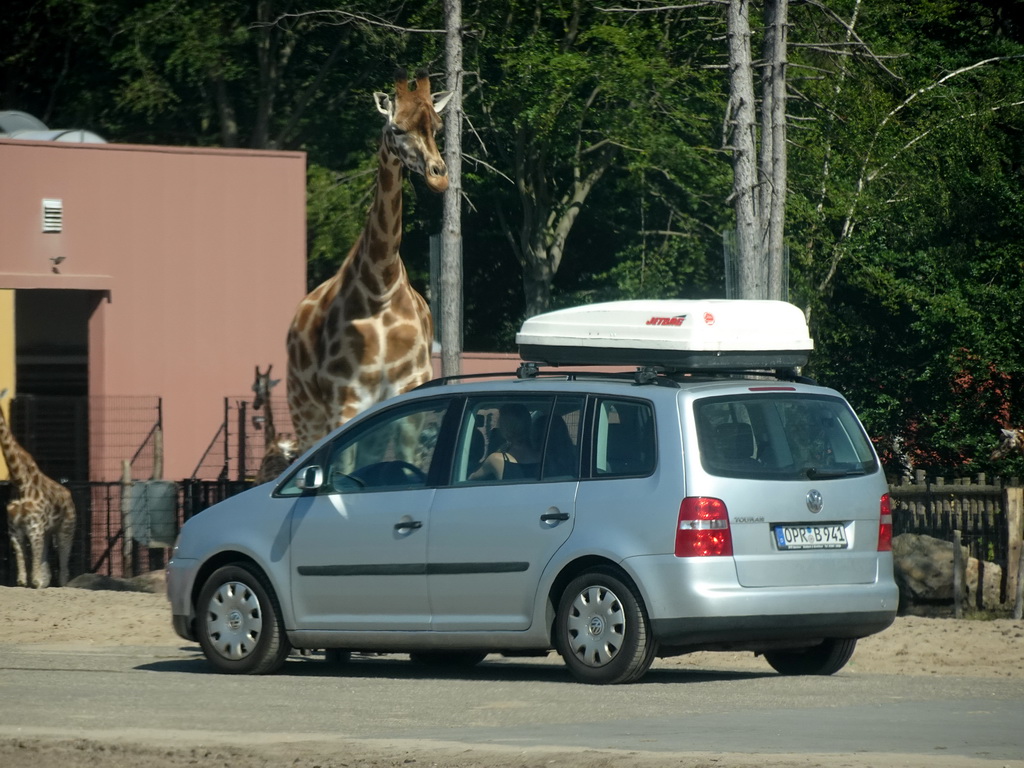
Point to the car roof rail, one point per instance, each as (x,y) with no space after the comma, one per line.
(531,370)
(778,374)
(642,376)
(440,381)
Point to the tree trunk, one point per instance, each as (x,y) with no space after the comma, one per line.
(225,112)
(537,278)
(759,177)
(774,159)
(451,232)
(742,133)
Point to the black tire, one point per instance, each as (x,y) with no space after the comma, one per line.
(825,659)
(448,659)
(601,629)
(238,623)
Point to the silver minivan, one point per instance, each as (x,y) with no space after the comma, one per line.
(661,511)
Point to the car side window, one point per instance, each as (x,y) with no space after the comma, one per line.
(562,447)
(515,438)
(394,450)
(781,436)
(624,443)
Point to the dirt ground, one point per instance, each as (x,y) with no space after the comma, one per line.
(91,618)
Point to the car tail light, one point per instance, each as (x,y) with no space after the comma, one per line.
(885,524)
(703,528)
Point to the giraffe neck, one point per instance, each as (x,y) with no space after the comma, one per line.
(376,269)
(19,464)
(269,433)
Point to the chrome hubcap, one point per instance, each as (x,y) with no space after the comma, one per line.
(596,626)
(234,620)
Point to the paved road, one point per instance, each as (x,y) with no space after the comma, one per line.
(139,691)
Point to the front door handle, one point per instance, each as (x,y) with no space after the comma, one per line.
(554,517)
(406,525)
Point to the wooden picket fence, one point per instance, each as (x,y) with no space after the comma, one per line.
(986,515)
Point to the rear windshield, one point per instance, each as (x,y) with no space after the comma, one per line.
(781,435)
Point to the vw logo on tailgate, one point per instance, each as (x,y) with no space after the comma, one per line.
(814,501)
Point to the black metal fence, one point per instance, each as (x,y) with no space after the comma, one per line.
(81,438)
(237,445)
(75,439)
(109,537)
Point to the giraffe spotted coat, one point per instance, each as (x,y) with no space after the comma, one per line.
(40,510)
(365,334)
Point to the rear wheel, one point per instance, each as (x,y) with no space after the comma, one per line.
(601,629)
(238,622)
(825,659)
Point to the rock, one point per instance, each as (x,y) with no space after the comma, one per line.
(924,573)
(990,594)
(147,582)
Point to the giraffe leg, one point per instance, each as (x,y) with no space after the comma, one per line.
(65,536)
(40,566)
(19,541)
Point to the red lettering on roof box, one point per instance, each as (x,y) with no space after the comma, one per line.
(678,320)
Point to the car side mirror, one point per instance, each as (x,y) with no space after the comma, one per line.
(310,479)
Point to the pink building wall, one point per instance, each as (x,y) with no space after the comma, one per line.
(197,258)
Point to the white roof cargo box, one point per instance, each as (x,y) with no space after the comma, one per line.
(674,334)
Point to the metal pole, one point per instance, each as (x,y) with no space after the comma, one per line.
(1018,603)
(958,582)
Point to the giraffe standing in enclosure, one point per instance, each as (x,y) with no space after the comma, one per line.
(278,449)
(365,334)
(1010,440)
(40,508)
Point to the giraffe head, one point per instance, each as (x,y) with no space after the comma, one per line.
(413,119)
(1010,440)
(262,386)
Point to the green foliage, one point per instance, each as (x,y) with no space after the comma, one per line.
(335,213)
(905,220)
(668,270)
(906,163)
(576,100)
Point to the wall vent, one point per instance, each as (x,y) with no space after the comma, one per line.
(53,215)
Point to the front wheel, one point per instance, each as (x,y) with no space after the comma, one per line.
(601,629)
(238,622)
(825,659)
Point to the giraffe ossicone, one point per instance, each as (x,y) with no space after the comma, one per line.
(365,334)
(40,509)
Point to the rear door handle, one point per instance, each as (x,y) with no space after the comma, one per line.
(554,517)
(408,525)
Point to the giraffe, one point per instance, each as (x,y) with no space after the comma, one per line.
(278,450)
(365,334)
(1010,440)
(40,508)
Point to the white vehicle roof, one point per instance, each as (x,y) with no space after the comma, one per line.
(674,334)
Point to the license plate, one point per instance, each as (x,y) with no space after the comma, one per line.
(825,536)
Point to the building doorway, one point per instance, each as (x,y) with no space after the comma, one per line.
(50,415)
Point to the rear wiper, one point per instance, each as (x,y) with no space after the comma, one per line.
(813,473)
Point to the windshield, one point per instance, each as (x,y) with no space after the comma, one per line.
(783,436)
